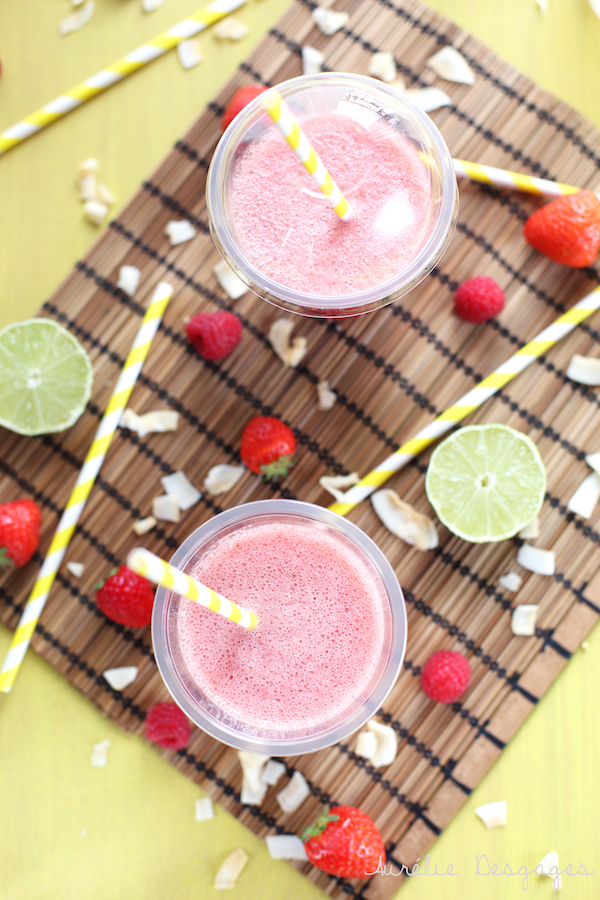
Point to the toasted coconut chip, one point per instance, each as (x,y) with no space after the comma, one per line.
(285,846)
(492,814)
(128,280)
(387,744)
(593,461)
(155,422)
(585,499)
(230,870)
(189,53)
(88,187)
(523,620)
(76,20)
(231,283)
(329,21)
(178,484)
(366,744)
(253,787)
(511,581)
(404,521)
(150,5)
(326,397)
(584,369)
(549,866)
(294,794)
(179,231)
(334,483)
(95,212)
(222,478)
(120,678)
(272,772)
(105,195)
(531,531)
(143,526)
(383,66)
(289,352)
(99,756)
(451,65)
(536,560)
(88,167)
(312,60)
(543,7)
(428,98)
(166,508)
(204,809)
(76,569)
(231,29)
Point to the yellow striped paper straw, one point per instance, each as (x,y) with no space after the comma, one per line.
(160,572)
(119,70)
(502,178)
(289,126)
(84,484)
(540,344)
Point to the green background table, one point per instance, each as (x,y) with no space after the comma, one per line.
(128,831)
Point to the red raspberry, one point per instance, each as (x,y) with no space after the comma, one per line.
(19,532)
(478,299)
(126,598)
(168,726)
(240,99)
(214,335)
(445,676)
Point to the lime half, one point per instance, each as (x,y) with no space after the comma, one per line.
(46,377)
(486,482)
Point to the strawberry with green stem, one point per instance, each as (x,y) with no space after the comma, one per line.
(268,447)
(19,532)
(345,842)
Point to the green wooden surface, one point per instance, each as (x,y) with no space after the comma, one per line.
(128,831)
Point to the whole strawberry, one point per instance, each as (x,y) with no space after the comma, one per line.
(445,676)
(344,842)
(19,532)
(567,230)
(214,335)
(240,99)
(478,299)
(126,598)
(268,447)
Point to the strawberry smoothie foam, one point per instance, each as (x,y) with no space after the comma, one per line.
(319,643)
(286,229)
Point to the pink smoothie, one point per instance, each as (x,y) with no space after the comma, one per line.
(287,230)
(318,645)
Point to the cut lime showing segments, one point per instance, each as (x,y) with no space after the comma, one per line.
(486,482)
(46,377)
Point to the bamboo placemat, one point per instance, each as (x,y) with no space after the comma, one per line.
(393,372)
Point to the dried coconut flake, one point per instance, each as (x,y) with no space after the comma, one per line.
(95,212)
(272,772)
(294,794)
(166,508)
(326,397)
(120,678)
(593,461)
(383,66)
(387,744)
(531,530)
(231,29)
(312,60)
(333,484)
(222,478)
(104,195)
(253,786)
(493,814)
(585,499)
(156,422)
(285,846)
(128,280)
(595,4)
(182,488)
(289,351)
(77,20)
(204,809)
(584,370)
(231,283)
(404,521)
(543,7)
(189,53)
(329,21)
(180,231)
(76,569)
(230,870)
(536,560)
(549,866)
(451,65)
(510,582)
(143,526)
(366,744)
(150,5)
(428,98)
(99,756)
(523,620)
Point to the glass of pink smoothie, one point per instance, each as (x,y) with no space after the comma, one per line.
(279,234)
(330,640)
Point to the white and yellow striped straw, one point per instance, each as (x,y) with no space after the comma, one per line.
(84,484)
(160,572)
(502,178)
(289,126)
(540,344)
(119,70)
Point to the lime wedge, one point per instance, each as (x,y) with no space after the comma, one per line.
(45,377)
(486,482)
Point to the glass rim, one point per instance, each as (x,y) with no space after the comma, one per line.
(331,734)
(289,298)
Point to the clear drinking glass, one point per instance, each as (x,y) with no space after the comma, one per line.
(375,107)
(204,711)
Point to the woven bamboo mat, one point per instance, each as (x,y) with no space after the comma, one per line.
(393,371)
